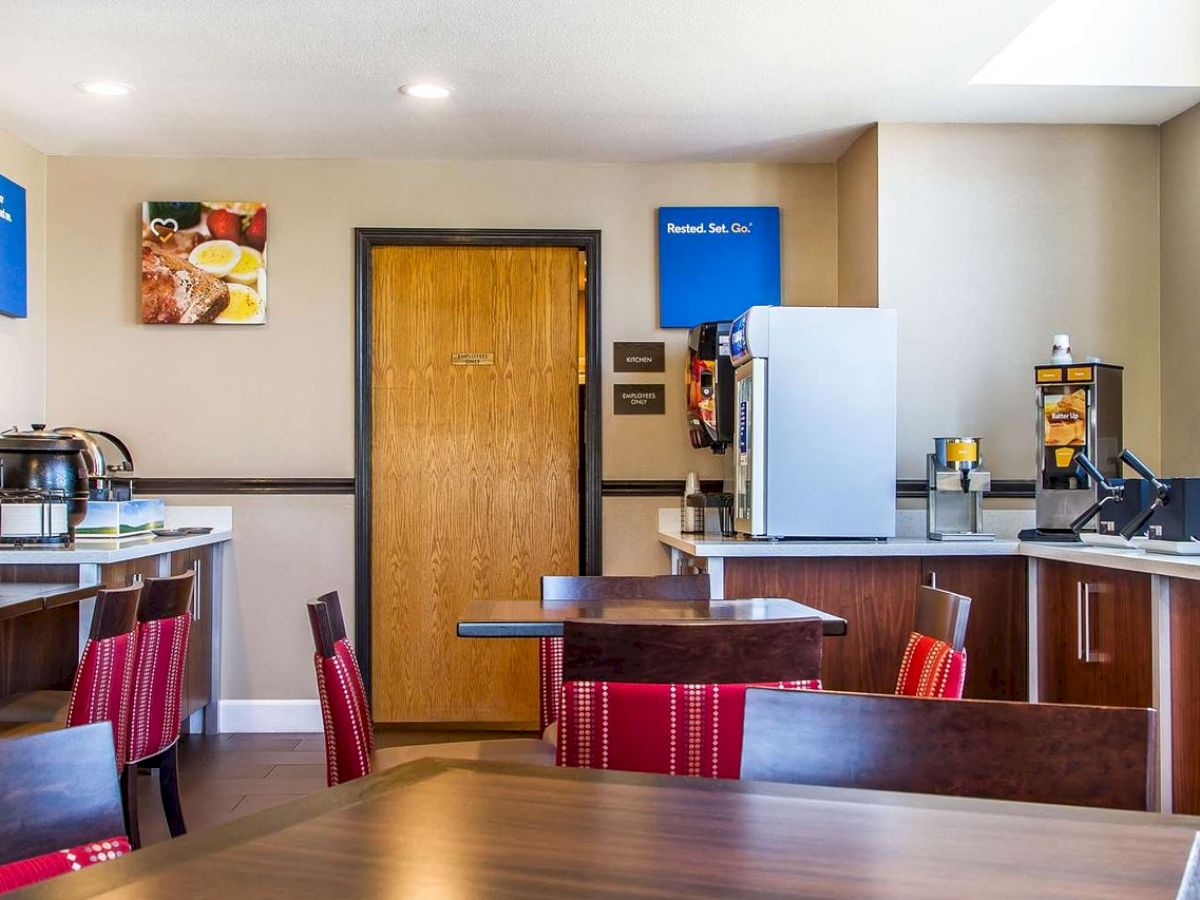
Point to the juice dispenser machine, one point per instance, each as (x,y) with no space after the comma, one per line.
(710,387)
(815,433)
(1078,413)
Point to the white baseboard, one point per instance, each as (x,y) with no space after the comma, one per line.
(267,716)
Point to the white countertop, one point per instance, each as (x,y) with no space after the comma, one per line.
(713,545)
(97,552)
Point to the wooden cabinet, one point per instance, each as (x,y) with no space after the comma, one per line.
(1094,635)
(196,691)
(876,595)
(997,639)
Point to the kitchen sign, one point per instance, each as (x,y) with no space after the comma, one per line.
(14,262)
(639,356)
(639,399)
(715,262)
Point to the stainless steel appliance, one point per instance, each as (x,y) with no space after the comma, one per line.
(955,482)
(1078,411)
(48,465)
(108,460)
(815,419)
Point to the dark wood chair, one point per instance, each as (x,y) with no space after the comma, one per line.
(164,623)
(667,697)
(692,652)
(107,694)
(1035,752)
(600,587)
(350,750)
(942,615)
(58,789)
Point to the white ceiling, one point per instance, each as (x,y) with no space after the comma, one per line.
(533,79)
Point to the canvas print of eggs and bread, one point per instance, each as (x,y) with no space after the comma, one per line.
(204,262)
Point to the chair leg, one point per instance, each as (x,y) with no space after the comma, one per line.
(129,775)
(168,786)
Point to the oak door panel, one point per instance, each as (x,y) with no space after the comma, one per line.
(1114,629)
(877,597)
(997,641)
(474,468)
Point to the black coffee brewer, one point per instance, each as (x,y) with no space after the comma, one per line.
(1121,503)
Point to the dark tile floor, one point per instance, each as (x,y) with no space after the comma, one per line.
(223,777)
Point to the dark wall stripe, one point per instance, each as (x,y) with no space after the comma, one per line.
(152,486)
(911,488)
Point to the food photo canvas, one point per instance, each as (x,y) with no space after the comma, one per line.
(204,262)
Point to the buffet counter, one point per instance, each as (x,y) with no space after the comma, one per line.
(42,631)
(1054,623)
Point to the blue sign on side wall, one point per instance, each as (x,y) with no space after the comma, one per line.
(13,262)
(715,262)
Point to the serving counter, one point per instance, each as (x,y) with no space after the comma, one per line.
(47,598)
(1053,623)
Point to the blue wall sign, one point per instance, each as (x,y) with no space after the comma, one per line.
(715,262)
(13,252)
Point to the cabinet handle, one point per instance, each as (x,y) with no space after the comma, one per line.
(196,567)
(1087,623)
(1079,620)
(932,579)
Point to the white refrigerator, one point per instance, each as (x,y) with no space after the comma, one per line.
(815,419)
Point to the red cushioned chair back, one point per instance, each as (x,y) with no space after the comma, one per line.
(349,738)
(103,687)
(670,729)
(164,624)
(24,872)
(931,668)
(601,587)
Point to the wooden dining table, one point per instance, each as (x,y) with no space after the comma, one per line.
(544,618)
(459,828)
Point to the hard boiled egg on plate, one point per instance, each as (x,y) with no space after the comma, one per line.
(245,307)
(216,257)
(245,270)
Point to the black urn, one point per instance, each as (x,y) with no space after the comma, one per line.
(40,460)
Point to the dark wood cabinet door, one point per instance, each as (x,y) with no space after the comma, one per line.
(997,641)
(877,596)
(197,676)
(1095,635)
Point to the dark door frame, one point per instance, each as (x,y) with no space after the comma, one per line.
(365,240)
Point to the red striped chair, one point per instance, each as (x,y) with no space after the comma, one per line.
(62,807)
(350,750)
(164,623)
(103,685)
(670,697)
(601,587)
(935,662)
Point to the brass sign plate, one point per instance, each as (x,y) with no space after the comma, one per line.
(473,359)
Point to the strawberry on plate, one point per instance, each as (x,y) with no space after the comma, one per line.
(256,229)
(224,225)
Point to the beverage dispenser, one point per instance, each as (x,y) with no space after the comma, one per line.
(1078,413)
(709,383)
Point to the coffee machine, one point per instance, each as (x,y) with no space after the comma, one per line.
(1078,412)
(709,383)
(955,482)
(1121,503)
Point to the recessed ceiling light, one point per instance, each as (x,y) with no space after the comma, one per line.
(425,90)
(104,88)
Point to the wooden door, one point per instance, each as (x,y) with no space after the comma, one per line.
(474,468)
(997,639)
(1094,635)
(1185,694)
(196,689)
(876,596)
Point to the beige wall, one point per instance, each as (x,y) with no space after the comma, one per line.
(23,341)
(278,400)
(991,239)
(858,222)
(1180,218)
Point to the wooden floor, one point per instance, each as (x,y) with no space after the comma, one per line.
(226,776)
